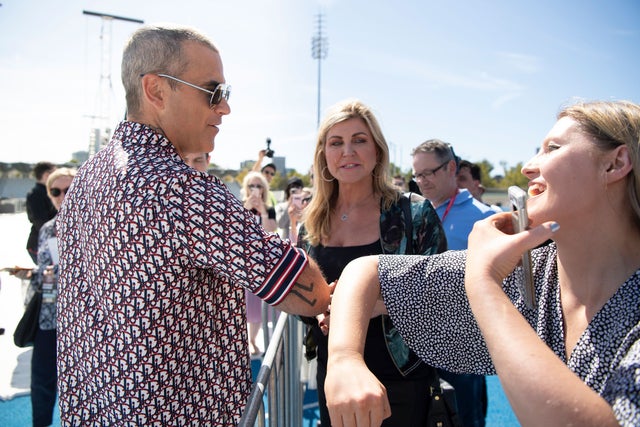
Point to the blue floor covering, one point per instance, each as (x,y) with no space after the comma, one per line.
(17,412)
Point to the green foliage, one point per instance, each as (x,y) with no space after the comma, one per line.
(16,170)
(485,174)
(514,176)
(395,170)
(240,176)
(278,182)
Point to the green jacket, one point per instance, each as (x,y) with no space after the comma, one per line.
(422,235)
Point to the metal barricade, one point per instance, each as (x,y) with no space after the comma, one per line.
(278,381)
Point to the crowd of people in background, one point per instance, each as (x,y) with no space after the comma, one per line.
(369,152)
(44,201)
(154,276)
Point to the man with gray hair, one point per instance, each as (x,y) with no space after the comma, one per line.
(156,256)
(435,166)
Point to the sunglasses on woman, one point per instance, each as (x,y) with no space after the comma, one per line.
(55,192)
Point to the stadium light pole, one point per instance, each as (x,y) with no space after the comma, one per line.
(319,51)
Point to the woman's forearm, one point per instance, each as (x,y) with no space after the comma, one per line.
(541,388)
(352,305)
(352,391)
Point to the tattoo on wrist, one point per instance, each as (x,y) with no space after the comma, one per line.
(298,287)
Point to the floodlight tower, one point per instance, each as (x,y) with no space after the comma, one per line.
(319,51)
(100,132)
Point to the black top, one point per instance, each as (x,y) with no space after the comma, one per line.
(39,210)
(332,260)
(271,213)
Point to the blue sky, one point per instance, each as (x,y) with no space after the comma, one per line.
(487,76)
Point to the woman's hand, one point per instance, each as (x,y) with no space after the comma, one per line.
(254,201)
(494,251)
(20,272)
(324,321)
(294,212)
(323,318)
(355,397)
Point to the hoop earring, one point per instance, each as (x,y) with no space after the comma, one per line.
(333,178)
(373,173)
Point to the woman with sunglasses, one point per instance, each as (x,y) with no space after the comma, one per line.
(44,280)
(255,193)
(574,358)
(269,171)
(355,211)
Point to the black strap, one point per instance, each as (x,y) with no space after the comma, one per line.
(443,409)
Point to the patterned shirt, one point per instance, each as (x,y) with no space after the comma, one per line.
(46,241)
(426,299)
(155,257)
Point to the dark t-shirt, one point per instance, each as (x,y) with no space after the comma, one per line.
(39,210)
(332,260)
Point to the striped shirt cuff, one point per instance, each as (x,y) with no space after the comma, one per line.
(282,278)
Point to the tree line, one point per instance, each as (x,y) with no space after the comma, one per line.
(512,174)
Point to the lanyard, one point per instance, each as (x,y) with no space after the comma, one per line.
(451,200)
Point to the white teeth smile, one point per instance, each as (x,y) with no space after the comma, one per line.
(536,189)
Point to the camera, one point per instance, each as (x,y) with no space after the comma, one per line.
(518,199)
(269,152)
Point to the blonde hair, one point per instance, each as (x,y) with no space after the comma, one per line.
(263,181)
(611,124)
(58,173)
(317,216)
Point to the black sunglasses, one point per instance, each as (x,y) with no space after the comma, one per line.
(55,192)
(221,91)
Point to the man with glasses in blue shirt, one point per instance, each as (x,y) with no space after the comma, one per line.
(435,168)
(155,256)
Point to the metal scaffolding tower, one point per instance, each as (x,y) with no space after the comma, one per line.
(100,130)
